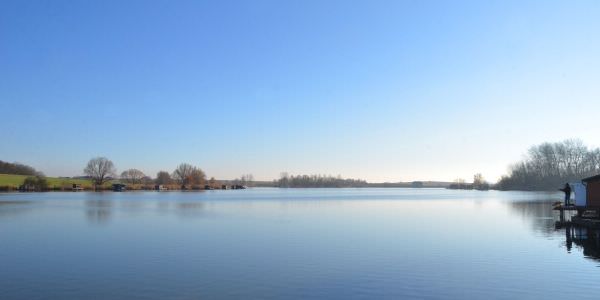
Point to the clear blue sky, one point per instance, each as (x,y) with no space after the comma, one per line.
(380,90)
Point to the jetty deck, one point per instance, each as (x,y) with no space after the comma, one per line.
(562,208)
(581,219)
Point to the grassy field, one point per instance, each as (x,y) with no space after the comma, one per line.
(15,181)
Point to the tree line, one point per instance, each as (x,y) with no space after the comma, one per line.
(101,170)
(550,165)
(17,169)
(186,176)
(317,181)
(545,167)
(36,181)
(479,183)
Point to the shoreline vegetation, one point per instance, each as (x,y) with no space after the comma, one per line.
(549,166)
(11,182)
(101,175)
(327,181)
(544,168)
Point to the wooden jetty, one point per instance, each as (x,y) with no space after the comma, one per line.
(562,208)
(584,217)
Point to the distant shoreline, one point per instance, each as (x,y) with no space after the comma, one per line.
(10,182)
(3,189)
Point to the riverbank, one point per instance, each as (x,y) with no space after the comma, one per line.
(11,182)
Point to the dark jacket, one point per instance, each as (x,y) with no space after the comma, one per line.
(566,189)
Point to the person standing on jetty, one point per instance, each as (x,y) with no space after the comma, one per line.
(567,190)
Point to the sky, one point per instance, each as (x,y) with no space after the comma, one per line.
(377,90)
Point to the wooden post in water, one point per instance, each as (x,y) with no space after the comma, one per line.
(569,236)
(562,215)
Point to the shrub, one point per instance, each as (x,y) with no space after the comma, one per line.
(35,183)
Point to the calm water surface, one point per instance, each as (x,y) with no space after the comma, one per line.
(292,243)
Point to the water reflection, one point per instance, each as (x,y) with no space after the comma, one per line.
(9,208)
(588,240)
(98,211)
(282,243)
(544,220)
(132,205)
(101,208)
(190,209)
(538,213)
(182,209)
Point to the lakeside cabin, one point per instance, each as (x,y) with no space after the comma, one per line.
(589,200)
(592,194)
(119,187)
(586,203)
(233,187)
(587,193)
(76,187)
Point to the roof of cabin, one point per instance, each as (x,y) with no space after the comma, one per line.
(593,178)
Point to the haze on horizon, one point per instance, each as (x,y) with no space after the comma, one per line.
(378,90)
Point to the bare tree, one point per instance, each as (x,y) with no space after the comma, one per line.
(479,183)
(247,179)
(182,173)
(163,177)
(197,177)
(133,176)
(213,183)
(478,179)
(99,169)
(549,165)
(460,184)
(284,180)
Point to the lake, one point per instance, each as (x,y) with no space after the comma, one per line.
(268,243)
